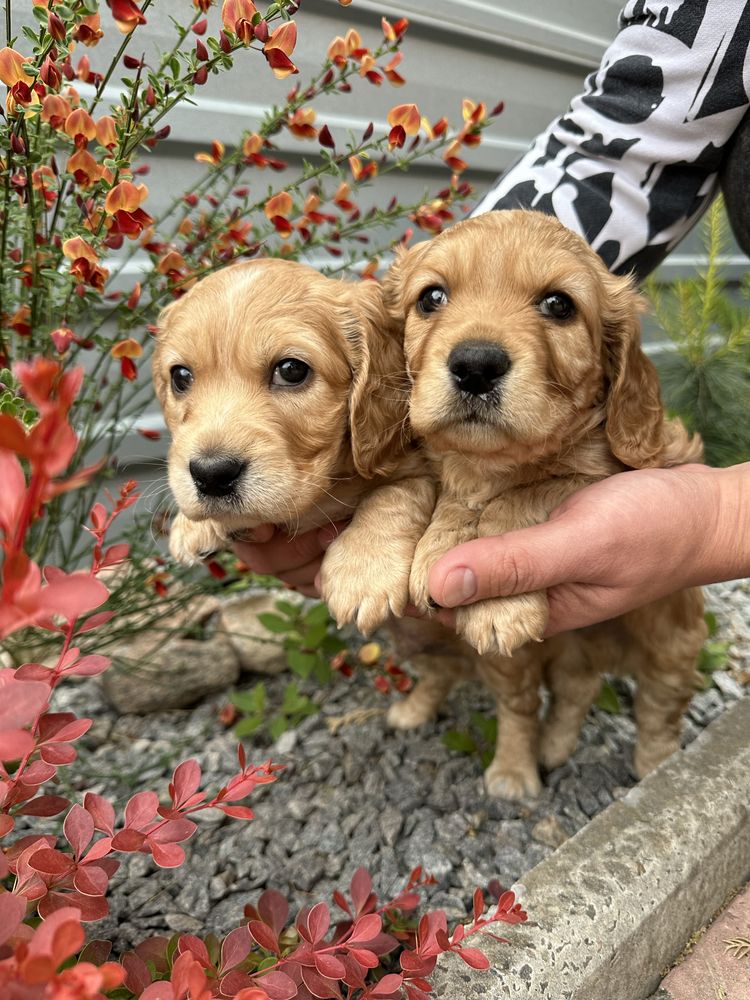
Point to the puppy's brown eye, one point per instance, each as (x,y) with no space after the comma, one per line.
(291,371)
(432,299)
(181,377)
(557,305)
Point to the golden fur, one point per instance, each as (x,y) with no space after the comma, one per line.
(314,452)
(579,402)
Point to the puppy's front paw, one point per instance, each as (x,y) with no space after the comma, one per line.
(514,783)
(409,713)
(503,624)
(365,590)
(192,541)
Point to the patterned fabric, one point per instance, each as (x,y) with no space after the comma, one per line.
(634,161)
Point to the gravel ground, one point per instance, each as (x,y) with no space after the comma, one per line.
(360,795)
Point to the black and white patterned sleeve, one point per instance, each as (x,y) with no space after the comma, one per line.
(633,162)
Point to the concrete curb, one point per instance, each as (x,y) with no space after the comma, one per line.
(613,907)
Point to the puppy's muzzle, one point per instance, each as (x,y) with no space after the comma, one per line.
(216,476)
(478,366)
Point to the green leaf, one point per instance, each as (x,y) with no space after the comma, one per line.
(276,726)
(253,701)
(301,663)
(711,622)
(486,726)
(333,644)
(608,699)
(318,615)
(248,725)
(274,623)
(460,741)
(314,636)
(290,610)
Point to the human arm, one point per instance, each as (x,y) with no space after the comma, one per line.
(616,545)
(634,161)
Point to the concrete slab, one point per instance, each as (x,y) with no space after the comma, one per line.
(613,907)
(714,969)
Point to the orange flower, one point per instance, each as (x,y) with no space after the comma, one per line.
(55,110)
(12,68)
(18,81)
(127,15)
(214,157)
(89,30)
(337,51)
(80,126)
(172,264)
(20,321)
(106,133)
(123,203)
(237,17)
(76,248)
(353,42)
(342,199)
(362,171)
(280,204)
(407,116)
(279,48)
(301,123)
(390,71)
(126,349)
(45,183)
(84,168)
(394,32)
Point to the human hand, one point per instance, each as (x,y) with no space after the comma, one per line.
(295,560)
(614,546)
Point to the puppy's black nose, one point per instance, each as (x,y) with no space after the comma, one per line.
(214,476)
(477,366)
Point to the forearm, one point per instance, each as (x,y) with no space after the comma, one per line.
(725,554)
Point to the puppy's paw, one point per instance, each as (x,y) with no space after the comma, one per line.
(647,759)
(556,746)
(514,783)
(409,713)
(503,624)
(192,541)
(363,590)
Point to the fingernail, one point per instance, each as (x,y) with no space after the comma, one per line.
(460,585)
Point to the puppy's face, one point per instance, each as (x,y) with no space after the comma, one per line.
(508,322)
(255,369)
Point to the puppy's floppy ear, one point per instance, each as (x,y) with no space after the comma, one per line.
(396,280)
(379,398)
(635,424)
(162,324)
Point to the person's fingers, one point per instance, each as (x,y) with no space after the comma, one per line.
(515,563)
(281,553)
(302,576)
(308,591)
(330,533)
(258,535)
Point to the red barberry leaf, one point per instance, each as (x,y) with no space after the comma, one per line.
(474,958)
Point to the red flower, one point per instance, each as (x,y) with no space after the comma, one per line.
(127,15)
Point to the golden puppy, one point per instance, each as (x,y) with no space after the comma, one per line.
(283,392)
(528,383)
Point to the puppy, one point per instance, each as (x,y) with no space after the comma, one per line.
(282,390)
(528,383)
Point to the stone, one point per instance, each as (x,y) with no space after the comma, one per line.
(550,831)
(258,650)
(149,676)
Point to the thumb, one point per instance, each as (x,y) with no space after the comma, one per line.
(515,563)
